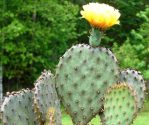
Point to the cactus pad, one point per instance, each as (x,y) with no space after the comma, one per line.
(17,109)
(135,80)
(120,106)
(46,100)
(82,76)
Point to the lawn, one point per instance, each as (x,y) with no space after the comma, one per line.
(142,118)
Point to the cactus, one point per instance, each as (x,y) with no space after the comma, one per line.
(135,80)
(82,76)
(84,81)
(51,117)
(120,105)
(17,108)
(46,100)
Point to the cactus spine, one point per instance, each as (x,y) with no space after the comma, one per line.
(38,107)
(46,100)
(136,81)
(82,76)
(17,108)
(120,105)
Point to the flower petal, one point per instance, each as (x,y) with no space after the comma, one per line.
(100,15)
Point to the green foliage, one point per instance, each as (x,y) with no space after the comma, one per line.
(35,34)
(135,50)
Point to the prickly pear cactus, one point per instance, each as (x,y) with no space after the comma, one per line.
(120,105)
(17,109)
(135,80)
(46,100)
(82,76)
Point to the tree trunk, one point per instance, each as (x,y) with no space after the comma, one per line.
(147,89)
(1,86)
(1,89)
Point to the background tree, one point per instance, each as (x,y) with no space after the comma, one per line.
(36,34)
(134,52)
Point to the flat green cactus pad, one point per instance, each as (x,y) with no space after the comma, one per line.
(82,76)
(120,105)
(136,81)
(17,109)
(45,99)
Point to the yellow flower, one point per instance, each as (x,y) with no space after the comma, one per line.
(100,15)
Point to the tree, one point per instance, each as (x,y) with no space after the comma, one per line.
(134,52)
(36,34)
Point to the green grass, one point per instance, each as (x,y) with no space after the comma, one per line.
(142,118)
